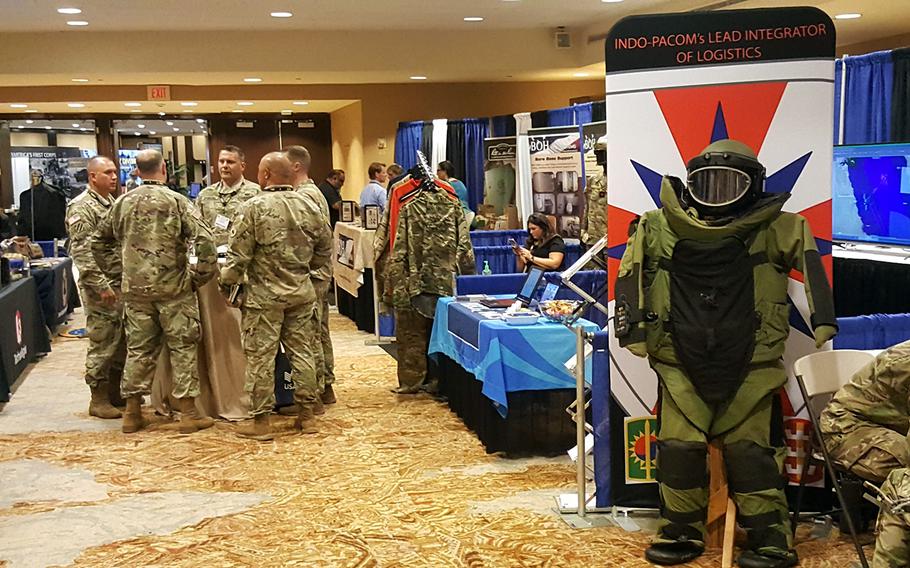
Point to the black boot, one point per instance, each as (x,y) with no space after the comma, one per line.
(670,553)
(753,559)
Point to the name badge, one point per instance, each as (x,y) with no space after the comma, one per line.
(222,222)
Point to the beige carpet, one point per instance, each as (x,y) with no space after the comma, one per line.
(387,482)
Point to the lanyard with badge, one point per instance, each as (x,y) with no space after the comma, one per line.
(222,221)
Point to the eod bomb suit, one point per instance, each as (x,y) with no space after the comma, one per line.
(702,292)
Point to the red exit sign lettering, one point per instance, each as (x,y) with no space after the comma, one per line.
(159,92)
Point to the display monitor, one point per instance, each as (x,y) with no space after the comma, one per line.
(530,285)
(871,193)
(194,190)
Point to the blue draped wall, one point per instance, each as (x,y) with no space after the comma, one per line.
(475,130)
(407,142)
(867,111)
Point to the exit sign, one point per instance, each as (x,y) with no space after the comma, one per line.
(159,92)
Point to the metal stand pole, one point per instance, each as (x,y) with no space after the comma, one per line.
(580,417)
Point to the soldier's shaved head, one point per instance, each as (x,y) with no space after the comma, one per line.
(275,169)
(149,163)
(98,163)
(102,176)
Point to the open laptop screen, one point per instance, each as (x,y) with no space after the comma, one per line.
(530,285)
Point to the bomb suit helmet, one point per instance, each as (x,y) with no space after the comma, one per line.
(724,179)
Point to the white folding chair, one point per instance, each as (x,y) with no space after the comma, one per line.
(820,375)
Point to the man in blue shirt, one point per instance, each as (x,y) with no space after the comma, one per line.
(446,172)
(374,193)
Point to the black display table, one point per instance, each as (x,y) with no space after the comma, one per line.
(22,333)
(537,422)
(361,309)
(57,292)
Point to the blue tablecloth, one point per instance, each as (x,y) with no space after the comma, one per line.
(503,357)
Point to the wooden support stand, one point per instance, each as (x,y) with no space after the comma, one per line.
(721,524)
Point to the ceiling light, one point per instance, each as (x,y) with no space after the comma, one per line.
(418,78)
(850,16)
(169,123)
(75,125)
(244,103)
(18,105)
(473,19)
(137,133)
(280,14)
(135,110)
(200,120)
(152,132)
(580,74)
(31,110)
(75,105)
(176,130)
(252,79)
(47,127)
(132,104)
(286,112)
(238,110)
(162,113)
(69,11)
(79,80)
(140,126)
(29,121)
(83,129)
(76,23)
(189,104)
(301,103)
(186,110)
(611,1)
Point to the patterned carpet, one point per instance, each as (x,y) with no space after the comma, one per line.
(386,482)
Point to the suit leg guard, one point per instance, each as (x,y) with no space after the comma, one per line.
(757,484)
(683,476)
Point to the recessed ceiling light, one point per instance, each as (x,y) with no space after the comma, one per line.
(69,11)
(79,80)
(76,23)
(189,104)
(580,74)
(418,78)
(75,105)
(301,103)
(186,110)
(137,133)
(244,103)
(286,112)
(280,14)
(31,110)
(252,79)
(75,125)
(132,104)
(83,129)
(473,19)
(850,16)
(162,113)
(140,126)
(135,110)
(176,130)
(169,123)
(47,127)
(18,105)
(611,1)
(29,121)
(238,110)
(152,132)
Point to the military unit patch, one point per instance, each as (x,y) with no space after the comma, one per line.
(640,435)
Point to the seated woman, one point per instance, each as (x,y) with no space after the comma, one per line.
(545,249)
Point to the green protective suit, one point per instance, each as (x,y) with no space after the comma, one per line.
(719,378)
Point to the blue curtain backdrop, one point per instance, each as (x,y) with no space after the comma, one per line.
(584,113)
(867,111)
(475,130)
(838,78)
(407,142)
(504,125)
(561,116)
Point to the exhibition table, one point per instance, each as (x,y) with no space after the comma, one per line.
(23,336)
(507,383)
(352,261)
(56,289)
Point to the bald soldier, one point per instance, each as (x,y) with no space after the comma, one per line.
(219,202)
(153,229)
(98,288)
(278,240)
(322,279)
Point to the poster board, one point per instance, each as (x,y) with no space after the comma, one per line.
(557,186)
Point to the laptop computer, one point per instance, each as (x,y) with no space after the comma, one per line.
(524,296)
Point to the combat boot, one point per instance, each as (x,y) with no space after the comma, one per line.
(291,410)
(132,416)
(672,553)
(260,429)
(100,405)
(775,559)
(328,395)
(306,420)
(190,421)
(318,406)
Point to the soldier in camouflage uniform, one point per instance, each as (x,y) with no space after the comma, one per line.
(152,228)
(431,243)
(892,545)
(218,202)
(322,280)
(865,425)
(279,238)
(594,224)
(103,310)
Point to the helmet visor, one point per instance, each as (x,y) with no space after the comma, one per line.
(717,185)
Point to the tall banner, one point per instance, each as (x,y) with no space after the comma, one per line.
(676,83)
(499,173)
(556,177)
(591,133)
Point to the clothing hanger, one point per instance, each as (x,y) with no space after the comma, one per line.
(425,174)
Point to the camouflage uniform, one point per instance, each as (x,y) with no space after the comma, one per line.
(219,199)
(153,228)
(594,224)
(322,281)
(107,342)
(431,243)
(865,425)
(892,546)
(279,238)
